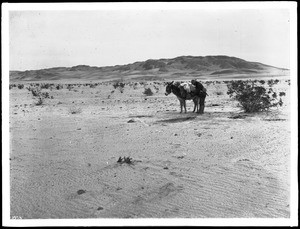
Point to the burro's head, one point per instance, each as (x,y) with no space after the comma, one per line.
(169,88)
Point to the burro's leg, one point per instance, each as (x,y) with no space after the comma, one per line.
(201,109)
(181,105)
(202,104)
(184,103)
(195,104)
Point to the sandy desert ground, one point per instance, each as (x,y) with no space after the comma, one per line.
(224,163)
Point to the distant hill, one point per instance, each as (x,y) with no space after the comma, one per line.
(179,67)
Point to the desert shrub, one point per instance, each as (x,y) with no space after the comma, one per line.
(115,85)
(45,85)
(148,91)
(207,83)
(58,86)
(41,96)
(40,101)
(272,82)
(35,91)
(75,110)
(262,82)
(118,84)
(251,97)
(127,160)
(69,87)
(135,86)
(281,93)
(20,86)
(45,95)
(218,90)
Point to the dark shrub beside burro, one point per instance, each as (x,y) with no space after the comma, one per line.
(253,97)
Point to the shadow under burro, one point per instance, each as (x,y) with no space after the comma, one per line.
(219,115)
(169,118)
(177,119)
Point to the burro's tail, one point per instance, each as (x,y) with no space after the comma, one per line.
(204,90)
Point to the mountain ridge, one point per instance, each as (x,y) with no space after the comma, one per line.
(217,65)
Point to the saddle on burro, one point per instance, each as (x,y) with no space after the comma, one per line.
(194,88)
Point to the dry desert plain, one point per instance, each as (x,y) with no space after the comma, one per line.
(224,163)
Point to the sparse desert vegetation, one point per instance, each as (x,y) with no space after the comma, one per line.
(39,95)
(252,97)
(148,91)
(75,110)
(73,156)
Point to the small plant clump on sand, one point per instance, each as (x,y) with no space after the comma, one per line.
(119,85)
(59,86)
(40,101)
(148,92)
(70,87)
(41,96)
(20,86)
(253,98)
(93,85)
(156,88)
(272,82)
(45,85)
(35,91)
(135,86)
(81,191)
(218,90)
(126,160)
(75,110)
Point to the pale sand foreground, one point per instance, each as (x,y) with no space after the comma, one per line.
(64,165)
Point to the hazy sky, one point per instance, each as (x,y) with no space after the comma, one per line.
(44,39)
